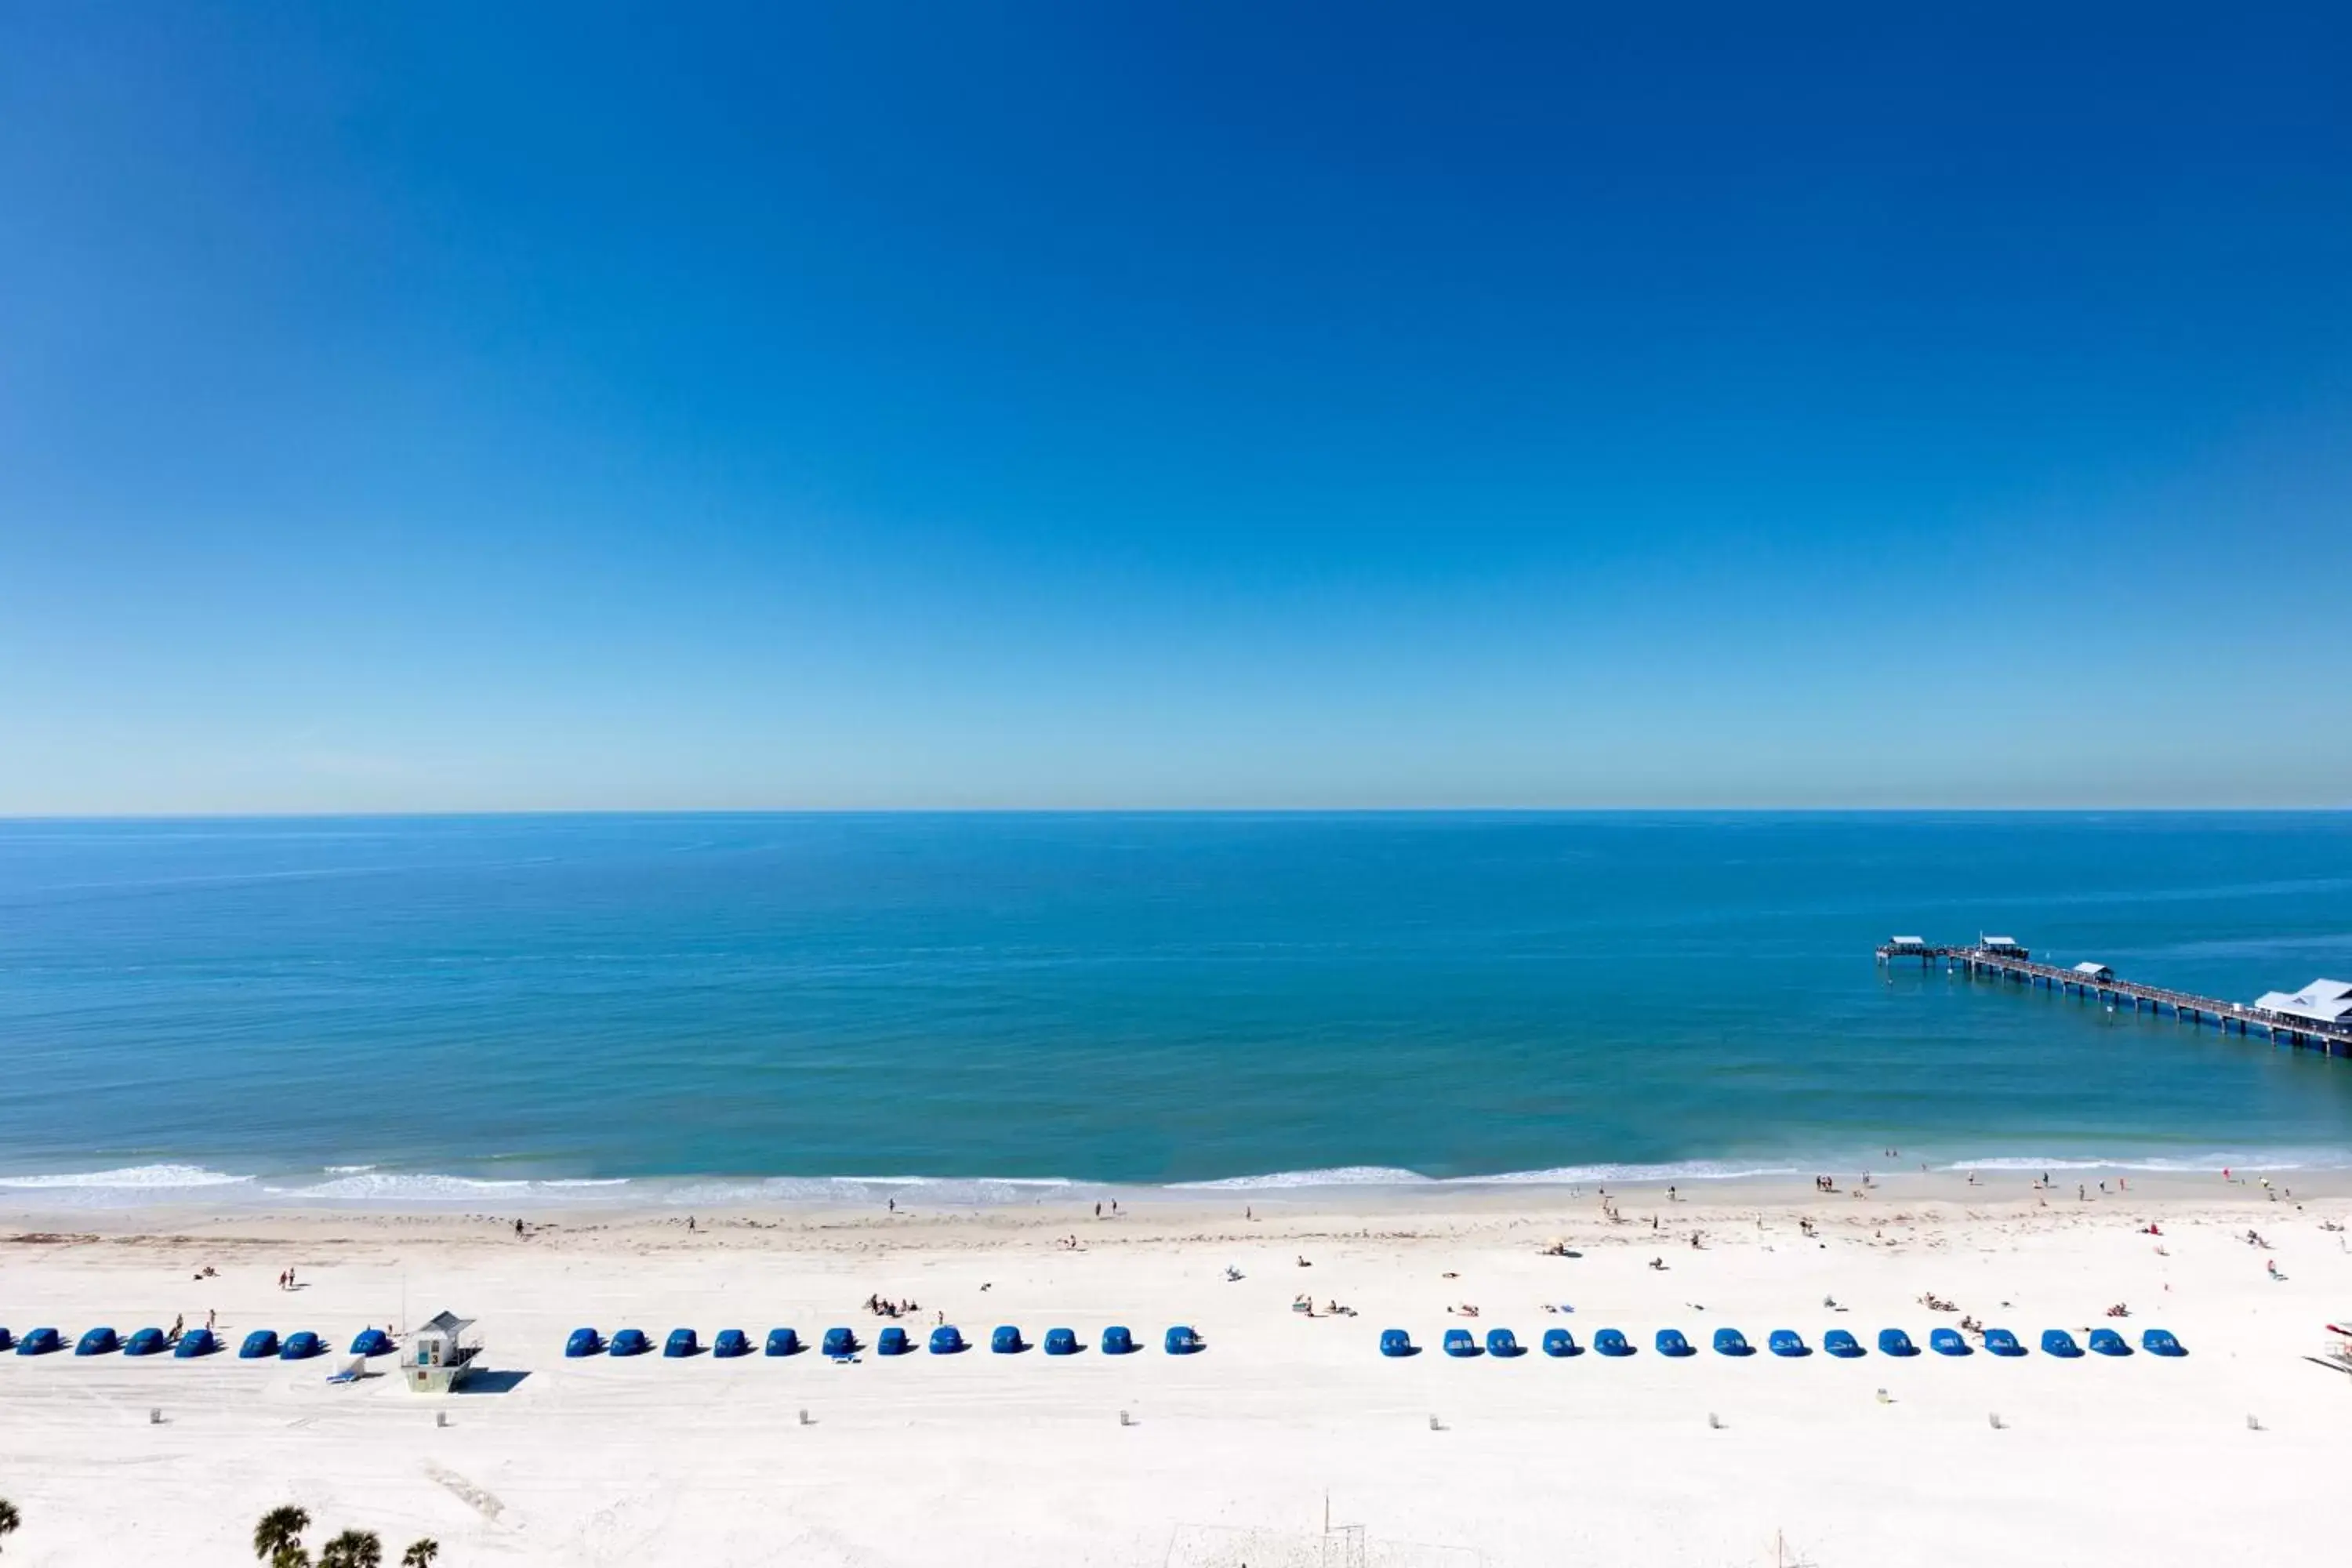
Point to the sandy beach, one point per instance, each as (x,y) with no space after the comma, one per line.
(1230,1455)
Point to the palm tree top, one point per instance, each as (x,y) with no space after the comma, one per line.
(280,1529)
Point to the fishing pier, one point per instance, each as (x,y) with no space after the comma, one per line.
(2318,1018)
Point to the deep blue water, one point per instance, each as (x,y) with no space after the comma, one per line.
(1139,998)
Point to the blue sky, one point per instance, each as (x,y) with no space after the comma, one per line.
(404,408)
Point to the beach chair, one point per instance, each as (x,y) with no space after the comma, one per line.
(1613,1342)
(1787,1341)
(98,1342)
(2000,1341)
(1895,1342)
(1841,1344)
(1460,1342)
(784,1341)
(1397,1343)
(146,1341)
(1559,1343)
(193,1344)
(2106,1341)
(1183,1339)
(839,1344)
(375,1341)
(680,1344)
(1947,1342)
(947,1339)
(2059,1342)
(629,1342)
(1116,1340)
(732,1342)
(300,1346)
(582,1342)
(1006,1341)
(259,1345)
(892,1341)
(1503,1343)
(1670,1341)
(39,1342)
(1731,1341)
(2159,1342)
(1061,1342)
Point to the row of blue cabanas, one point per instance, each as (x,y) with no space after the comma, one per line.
(840,1344)
(261,1344)
(1838,1342)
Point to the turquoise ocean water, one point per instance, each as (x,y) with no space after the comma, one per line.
(704,1006)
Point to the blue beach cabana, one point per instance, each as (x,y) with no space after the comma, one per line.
(1007,1341)
(1947,1342)
(2159,1342)
(947,1339)
(892,1341)
(582,1342)
(2000,1341)
(1671,1342)
(2060,1343)
(1397,1343)
(1116,1340)
(300,1346)
(840,1344)
(375,1341)
(259,1345)
(146,1341)
(731,1344)
(1460,1342)
(1503,1343)
(1731,1341)
(1613,1342)
(629,1342)
(1895,1342)
(1559,1343)
(193,1344)
(1183,1339)
(2106,1341)
(1842,1343)
(98,1342)
(1788,1342)
(681,1342)
(784,1341)
(1061,1342)
(7,1341)
(39,1342)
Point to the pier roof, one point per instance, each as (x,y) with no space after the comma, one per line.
(2323,1001)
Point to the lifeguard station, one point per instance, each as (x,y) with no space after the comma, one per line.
(441,1352)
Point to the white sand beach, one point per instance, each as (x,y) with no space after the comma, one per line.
(1232,1454)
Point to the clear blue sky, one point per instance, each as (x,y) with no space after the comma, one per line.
(453,406)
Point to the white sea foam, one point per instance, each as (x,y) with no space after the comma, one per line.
(383,1186)
(1334,1176)
(129,1178)
(2259,1160)
(345,1170)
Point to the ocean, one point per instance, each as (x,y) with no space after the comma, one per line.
(694,1008)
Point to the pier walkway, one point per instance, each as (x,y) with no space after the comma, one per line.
(1985,963)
